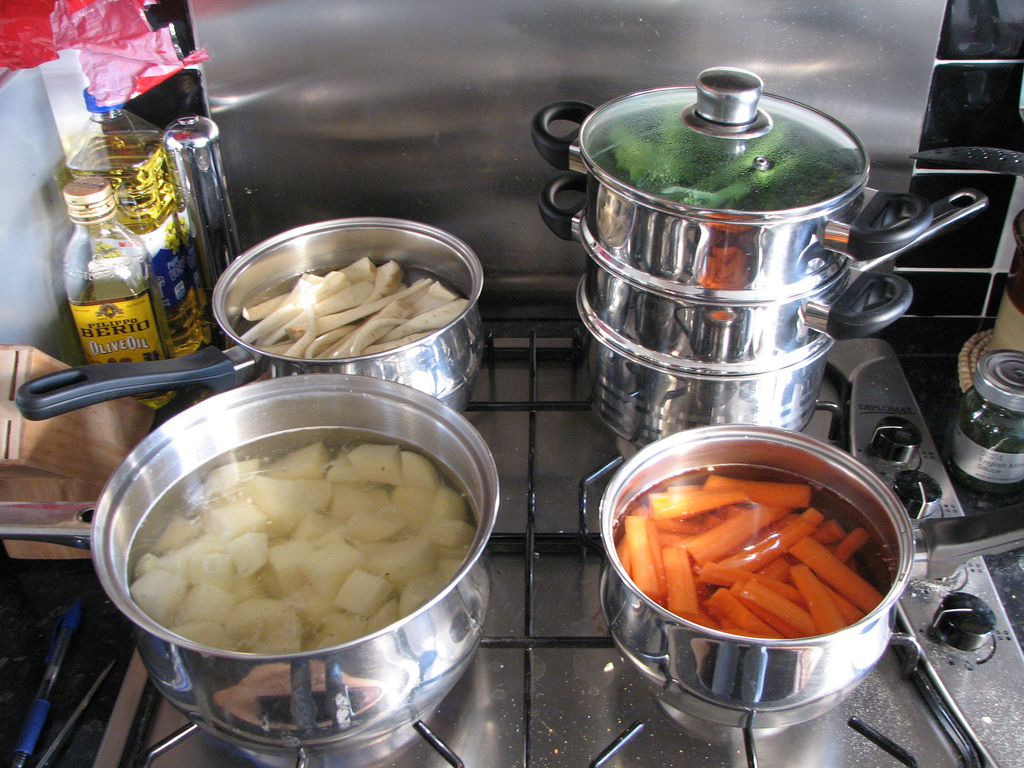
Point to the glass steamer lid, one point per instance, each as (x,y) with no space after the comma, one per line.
(723,145)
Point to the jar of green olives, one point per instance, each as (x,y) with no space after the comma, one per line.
(987,451)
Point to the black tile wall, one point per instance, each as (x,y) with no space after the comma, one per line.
(974,101)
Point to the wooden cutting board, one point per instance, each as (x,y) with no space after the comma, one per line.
(64,458)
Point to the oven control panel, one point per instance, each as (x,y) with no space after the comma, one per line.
(956,626)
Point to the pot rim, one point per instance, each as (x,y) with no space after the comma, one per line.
(809,285)
(259,251)
(904,548)
(134,465)
(720,215)
(603,333)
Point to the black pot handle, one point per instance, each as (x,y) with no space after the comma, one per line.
(74,388)
(554,148)
(889,221)
(952,541)
(560,218)
(869,304)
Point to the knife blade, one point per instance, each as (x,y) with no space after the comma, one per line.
(975,159)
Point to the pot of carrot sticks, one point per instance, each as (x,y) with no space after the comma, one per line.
(752,572)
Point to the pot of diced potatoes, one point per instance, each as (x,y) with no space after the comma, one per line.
(302,559)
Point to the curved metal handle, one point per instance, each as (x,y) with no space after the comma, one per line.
(950,542)
(563,220)
(74,388)
(870,303)
(66,522)
(552,147)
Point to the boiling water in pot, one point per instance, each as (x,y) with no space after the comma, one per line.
(300,541)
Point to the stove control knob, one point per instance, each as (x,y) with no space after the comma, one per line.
(963,621)
(919,492)
(896,440)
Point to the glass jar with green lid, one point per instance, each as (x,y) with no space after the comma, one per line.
(987,452)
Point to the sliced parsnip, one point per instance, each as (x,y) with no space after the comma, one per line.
(264,308)
(319,346)
(435,296)
(330,322)
(431,320)
(386,346)
(312,330)
(351,296)
(360,269)
(270,329)
(387,280)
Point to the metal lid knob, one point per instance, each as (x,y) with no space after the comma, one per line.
(728,95)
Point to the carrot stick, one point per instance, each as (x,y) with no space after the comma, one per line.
(775,545)
(733,533)
(692,500)
(777,569)
(680,586)
(851,544)
(690,526)
(724,606)
(769,618)
(825,613)
(659,564)
(641,563)
(719,575)
(851,613)
(836,573)
(622,550)
(829,532)
(771,494)
(785,609)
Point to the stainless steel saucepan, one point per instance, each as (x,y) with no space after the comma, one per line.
(442,363)
(357,697)
(723,678)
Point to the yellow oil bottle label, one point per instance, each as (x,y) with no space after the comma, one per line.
(118,331)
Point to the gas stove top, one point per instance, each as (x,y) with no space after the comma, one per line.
(547,688)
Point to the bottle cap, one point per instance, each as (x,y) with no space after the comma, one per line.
(999,378)
(89,199)
(92,106)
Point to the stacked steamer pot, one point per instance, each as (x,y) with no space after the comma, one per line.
(731,239)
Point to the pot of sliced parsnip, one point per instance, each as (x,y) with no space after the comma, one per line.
(754,573)
(381,297)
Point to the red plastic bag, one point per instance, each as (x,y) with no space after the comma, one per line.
(121,55)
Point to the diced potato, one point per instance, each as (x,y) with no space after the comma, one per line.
(233,518)
(377,462)
(449,503)
(159,593)
(341,627)
(287,560)
(401,561)
(225,479)
(385,616)
(180,531)
(349,498)
(284,502)
(310,605)
(248,552)
(447,567)
(327,568)
(307,463)
(211,568)
(245,587)
(447,532)
(342,470)
(252,618)
(145,564)
(418,471)
(377,525)
(314,525)
(363,593)
(206,602)
(211,633)
(416,593)
(413,504)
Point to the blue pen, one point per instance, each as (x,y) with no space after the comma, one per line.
(40,707)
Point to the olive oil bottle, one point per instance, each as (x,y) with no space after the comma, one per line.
(108,283)
(129,153)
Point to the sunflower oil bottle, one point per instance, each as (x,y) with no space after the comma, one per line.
(129,153)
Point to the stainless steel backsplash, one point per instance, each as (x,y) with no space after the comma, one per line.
(421,110)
